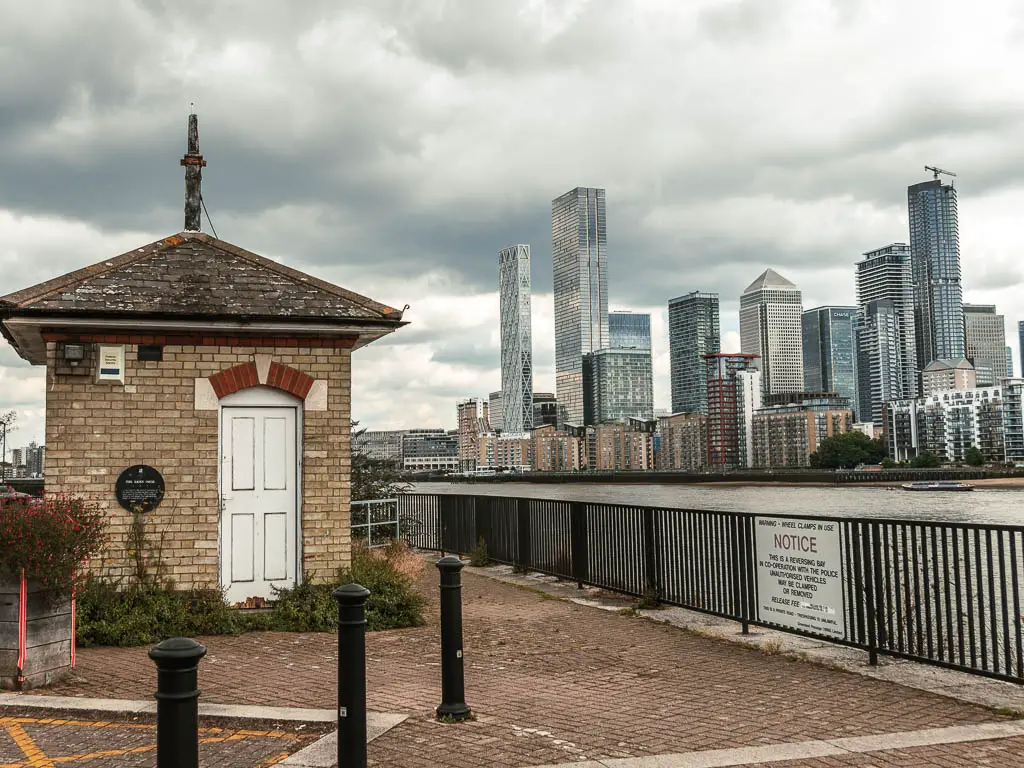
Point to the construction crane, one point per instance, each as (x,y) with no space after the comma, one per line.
(937,171)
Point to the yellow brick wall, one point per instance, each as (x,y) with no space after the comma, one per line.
(94,430)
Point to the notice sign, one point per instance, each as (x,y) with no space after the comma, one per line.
(111,364)
(800,574)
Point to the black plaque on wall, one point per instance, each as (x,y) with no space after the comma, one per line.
(139,489)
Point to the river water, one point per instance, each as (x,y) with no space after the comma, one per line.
(983,505)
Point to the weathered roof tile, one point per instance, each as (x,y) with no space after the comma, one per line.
(194,274)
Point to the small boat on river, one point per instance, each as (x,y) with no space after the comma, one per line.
(938,485)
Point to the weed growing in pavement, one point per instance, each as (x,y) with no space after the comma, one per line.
(449,720)
(649,601)
(479,558)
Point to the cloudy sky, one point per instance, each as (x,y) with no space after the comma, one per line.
(394,146)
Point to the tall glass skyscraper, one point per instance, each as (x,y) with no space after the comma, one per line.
(619,385)
(693,332)
(881,369)
(629,329)
(935,264)
(516,339)
(885,275)
(830,359)
(579,254)
(770,327)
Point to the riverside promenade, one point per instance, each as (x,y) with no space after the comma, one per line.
(556,682)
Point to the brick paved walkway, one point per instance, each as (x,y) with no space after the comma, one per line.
(40,742)
(553,682)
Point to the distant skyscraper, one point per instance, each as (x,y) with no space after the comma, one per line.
(618,384)
(885,275)
(830,358)
(1020,338)
(1009,362)
(985,339)
(935,263)
(579,243)
(629,329)
(881,369)
(496,411)
(693,332)
(770,327)
(516,340)
(545,409)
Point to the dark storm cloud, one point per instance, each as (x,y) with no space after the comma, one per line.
(94,104)
(394,146)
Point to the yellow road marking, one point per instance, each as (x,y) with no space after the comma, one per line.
(271,762)
(36,757)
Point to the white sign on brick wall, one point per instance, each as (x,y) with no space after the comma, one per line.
(800,574)
(111,363)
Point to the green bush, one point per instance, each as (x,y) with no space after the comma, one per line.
(148,613)
(394,601)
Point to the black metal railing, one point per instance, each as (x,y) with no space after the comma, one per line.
(936,592)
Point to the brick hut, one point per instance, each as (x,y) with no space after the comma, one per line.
(212,386)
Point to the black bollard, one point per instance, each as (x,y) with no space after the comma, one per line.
(351,675)
(177,702)
(453,680)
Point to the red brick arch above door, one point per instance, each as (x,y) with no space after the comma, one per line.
(262,371)
(279,376)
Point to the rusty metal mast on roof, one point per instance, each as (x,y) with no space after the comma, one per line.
(193,162)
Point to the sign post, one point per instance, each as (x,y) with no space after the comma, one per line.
(800,574)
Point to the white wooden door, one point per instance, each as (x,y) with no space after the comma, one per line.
(258,501)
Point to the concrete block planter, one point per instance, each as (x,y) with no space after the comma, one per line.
(49,636)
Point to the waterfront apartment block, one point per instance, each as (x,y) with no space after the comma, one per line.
(28,461)
(693,331)
(770,328)
(556,450)
(935,265)
(734,393)
(505,451)
(949,422)
(579,254)
(516,341)
(472,422)
(985,340)
(621,446)
(629,329)
(785,435)
(381,445)
(430,450)
(618,384)
(684,439)
(885,275)
(942,375)
(830,358)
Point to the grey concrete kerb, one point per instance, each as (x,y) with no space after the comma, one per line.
(799,750)
(973,689)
